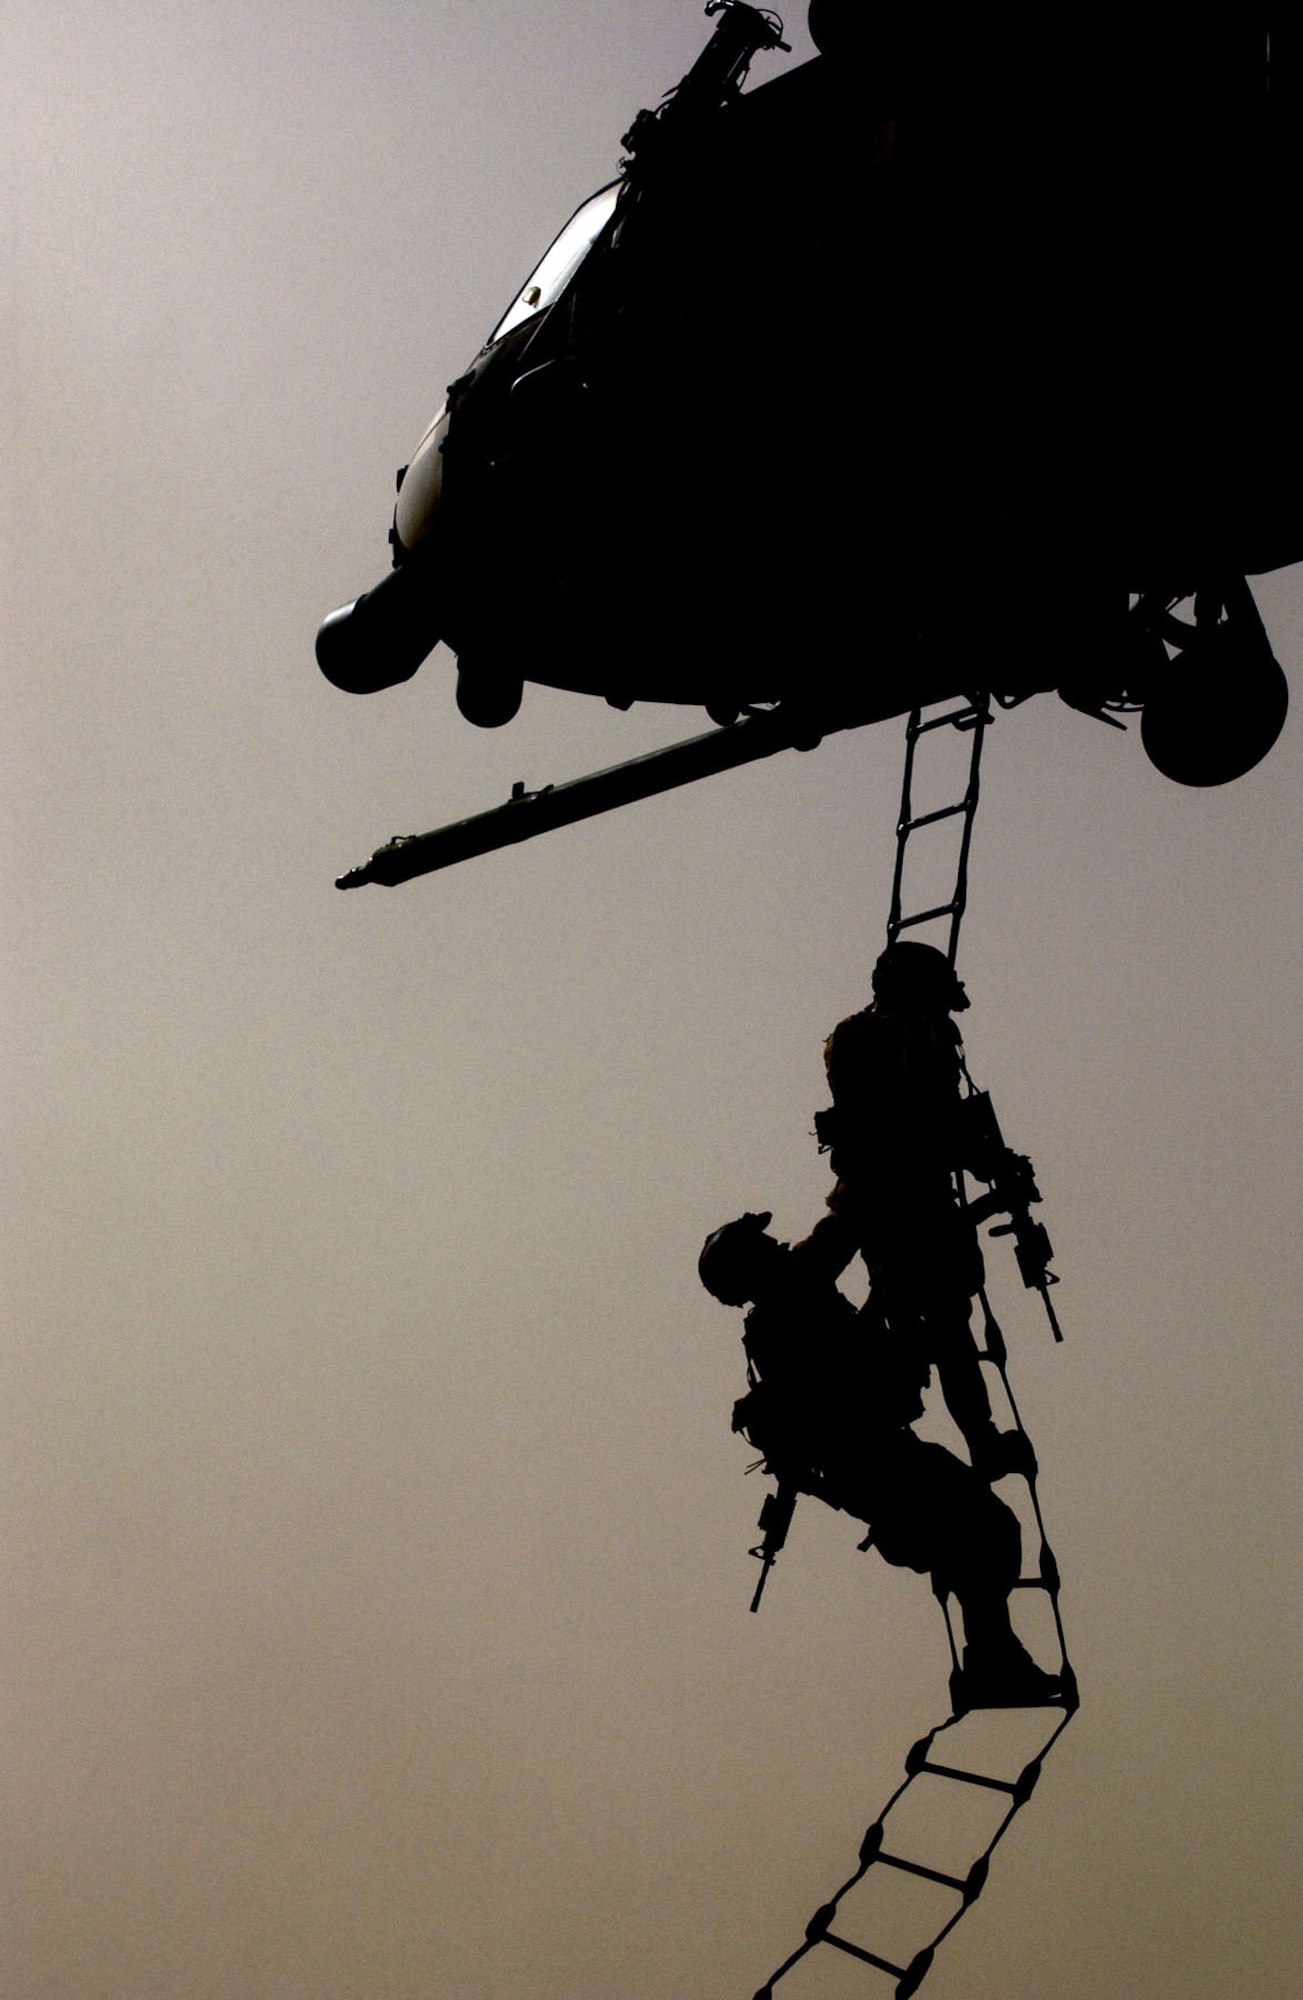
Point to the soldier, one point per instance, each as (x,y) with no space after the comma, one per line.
(830,1405)
(898,1135)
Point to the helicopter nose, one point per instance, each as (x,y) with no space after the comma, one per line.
(382,637)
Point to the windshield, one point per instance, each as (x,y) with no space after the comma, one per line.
(550,277)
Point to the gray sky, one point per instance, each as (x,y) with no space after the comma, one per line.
(375,1585)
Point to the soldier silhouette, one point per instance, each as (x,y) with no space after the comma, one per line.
(832,1396)
(898,1135)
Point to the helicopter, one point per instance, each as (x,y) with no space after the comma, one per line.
(955,357)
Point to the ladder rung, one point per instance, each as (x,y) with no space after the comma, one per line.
(926,916)
(870,1958)
(968,715)
(930,819)
(930,1874)
(970,1777)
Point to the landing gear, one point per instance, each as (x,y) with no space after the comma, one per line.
(487,695)
(1222,701)
(1212,699)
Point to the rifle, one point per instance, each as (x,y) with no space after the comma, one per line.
(1011,1178)
(775,1520)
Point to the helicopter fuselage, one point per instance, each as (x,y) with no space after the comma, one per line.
(868,379)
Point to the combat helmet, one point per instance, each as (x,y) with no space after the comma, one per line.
(918,977)
(727,1264)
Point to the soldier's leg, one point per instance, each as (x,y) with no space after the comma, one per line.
(948,1324)
(930,1511)
(997,1671)
(948,1333)
(926,1303)
(933,1512)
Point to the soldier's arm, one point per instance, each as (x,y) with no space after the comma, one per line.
(844,1051)
(823,1255)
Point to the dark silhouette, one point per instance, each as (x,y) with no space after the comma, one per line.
(898,1131)
(830,1405)
(976,342)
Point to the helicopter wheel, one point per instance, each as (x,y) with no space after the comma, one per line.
(1220,706)
(487,695)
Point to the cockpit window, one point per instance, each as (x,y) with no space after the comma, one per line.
(549,278)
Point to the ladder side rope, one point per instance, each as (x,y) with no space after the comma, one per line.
(920,1762)
(972,715)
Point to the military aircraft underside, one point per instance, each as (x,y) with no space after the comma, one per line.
(889,378)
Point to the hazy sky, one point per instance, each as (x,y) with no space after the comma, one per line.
(375,1604)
